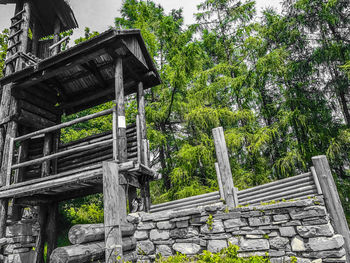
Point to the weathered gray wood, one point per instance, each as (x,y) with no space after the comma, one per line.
(277,184)
(114,198)
(80,234)
(115,134)
(52,229)
(235,196)
(139,139)
(282,189)
(33,120)
(317,182)
(9,161)
(38,110)
(45,168)
(119,93)
(60,154)
(218,175)
(332,200)
(40,240)
(87,253)
(64,125)
(224,166)
(215,198)
(142,118)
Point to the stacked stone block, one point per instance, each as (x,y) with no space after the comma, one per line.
(300,229)
(18,245)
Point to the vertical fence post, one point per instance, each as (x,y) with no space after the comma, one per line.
(221,190)
(114,212)
(114,130)
(332,199)
(224,166)
(9,162)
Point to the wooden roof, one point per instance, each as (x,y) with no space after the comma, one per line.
(45,11)
(83,76)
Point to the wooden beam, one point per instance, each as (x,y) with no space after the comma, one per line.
(52,229)
(40,240)
(121,121)
(224,166)
(64,125)
(45,168)
(114,212)
(332,200)
(94,70)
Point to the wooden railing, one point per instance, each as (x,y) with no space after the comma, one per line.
(134,146)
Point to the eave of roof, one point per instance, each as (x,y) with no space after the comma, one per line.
(78,50)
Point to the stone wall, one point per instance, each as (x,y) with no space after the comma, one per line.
(20,240)
(300,228)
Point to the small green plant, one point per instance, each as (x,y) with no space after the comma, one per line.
(210,222)
(266,236)
(293,259)
(226,210)
(226,255)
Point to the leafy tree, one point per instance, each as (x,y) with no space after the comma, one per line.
(3,49)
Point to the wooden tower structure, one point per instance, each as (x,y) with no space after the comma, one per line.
(40,84)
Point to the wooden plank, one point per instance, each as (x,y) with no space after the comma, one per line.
(280,189)
(60,154)
(332,199)
(33,120)
(115,134)
(9,161)
(114,199)
(183,200)
(221,189)
(224,165)
(279,195)
(317,182)
(37,110)
(64,125)
(276,184)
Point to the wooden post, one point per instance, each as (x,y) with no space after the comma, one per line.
(40,240)
(9,161)
(144,152)
(51,231)
(224,166)
(115,136)
(332,200)
(221,189)
(56,36)
(121,129)
(114,211)
(45,168)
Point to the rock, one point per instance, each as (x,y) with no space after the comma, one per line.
(140,235)
(156,234)
(259,221)
(276,253)
(187,248)
(21,258)
(216,227)
(133,218)
(316,230)
(215,246)
(182,224)
(287,231)
(278,242)
(253,244)
(254,236)
(326,254)
(312,211)
(145,226)
(19,229)
(324,243)
(164,250)
(235,222)
(230,215)
(184,233)
(165,225)
(302,260)
(145,247)
(177,219)
(315,221)
(317,261)
(298,244)
(337,260)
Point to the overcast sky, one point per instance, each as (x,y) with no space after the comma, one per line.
(99,15)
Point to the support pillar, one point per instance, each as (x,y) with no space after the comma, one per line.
(224,166)
(114,212)
(332,200)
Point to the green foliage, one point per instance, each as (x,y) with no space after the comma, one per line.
(226,255)
(210,222)
(3,49)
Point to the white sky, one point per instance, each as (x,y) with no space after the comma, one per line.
(99,15)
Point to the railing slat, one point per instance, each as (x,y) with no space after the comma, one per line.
(60,154)
(64,125)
